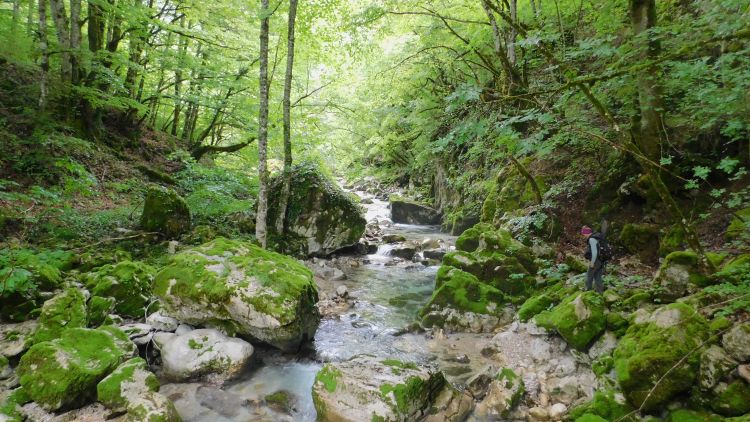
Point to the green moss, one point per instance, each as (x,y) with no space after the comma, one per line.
(111,391)
(9,408)
(98,309)
(673,240)
(64,372)
(603,405)
(194,344)
(579,319)
(685,415)
(66,310)
(397,365)
(590,418)
(736,270)
(732,399)
(641,240)
(602,365)
(329,376)
(719,324)
(511,382)
(617,323)
(469,239)
(462,291)
(280,400)
(534,306)
(502,272)
(654,345)
(127,281)
(739,227)
(165,212)
(411,394)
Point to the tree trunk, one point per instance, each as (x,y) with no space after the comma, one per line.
(30,16)
(45,56)
(513,33)
(643,16)
(57,7)
(513,78)
(182,43)
(260,223)
(16,12)
(75,40)
(287,104)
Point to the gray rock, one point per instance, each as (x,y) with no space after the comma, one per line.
(737,342)
(203,354)
(409,212)
(715,364)
(503,394)
(605,345)
(405,251)
(162,322)
(183,329)
(436,254)
(393,238)
(557,411)
(140,334)
(14,338)
(341,291)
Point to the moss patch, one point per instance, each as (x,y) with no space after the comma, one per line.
(463,291)
(127,281)
(66,310)
(579,319)
(328,376)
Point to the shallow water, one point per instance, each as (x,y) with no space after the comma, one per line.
(387,298)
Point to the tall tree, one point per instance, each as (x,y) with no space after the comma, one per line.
(287,105)
(45,55)
(260,223)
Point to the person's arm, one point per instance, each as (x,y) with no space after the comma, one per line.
(594,244)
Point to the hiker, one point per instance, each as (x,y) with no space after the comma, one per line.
(597,253)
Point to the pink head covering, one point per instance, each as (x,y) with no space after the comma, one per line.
(586,230)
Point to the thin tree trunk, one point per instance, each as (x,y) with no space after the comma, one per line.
(45,56)
(30,16)
(57,7)
(513,78)
(643,16)
(260,223)
(183,42)
(16,11)
(284,197)
(534,186)
(75,40)
(513,33)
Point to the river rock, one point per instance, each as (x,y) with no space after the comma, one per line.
(365,388)
(66,310)
(436,254)
(253,292)
(653,344)
(450,406)
(203,353)
(165,212)
(503,394)
(321,217)
(138,333)
(393,238)
(579,319)
(64,372)
(404,251)
(128,282)
(411,212)
(462,291)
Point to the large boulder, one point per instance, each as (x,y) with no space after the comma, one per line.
(365,388)
(654,344)
(407,211)
(165,212)
(204,353)
(676,274)
(66,310)
(737,342)
(321,218)
(579,319)
(502,272)
(64,372)
(641,240)
(460,290)
(243,289)
(125,384)
(127,281)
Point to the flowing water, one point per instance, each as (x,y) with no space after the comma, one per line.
(387,296)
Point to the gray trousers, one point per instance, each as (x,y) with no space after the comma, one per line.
(594,277)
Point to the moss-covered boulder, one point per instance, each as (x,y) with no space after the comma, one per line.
(534,305)
(510,191)
(66,310)
(462,291)
(715,364)
(735,270)
(152,407)
(685,415)
(63,373)
(605,404)
(408,211)
(672,240)
(243,289)
(165,212)
(676,274)
(642,240)
(731,399)
(502,272)
(366,388)
(128,282)
(579,319)
(654,344)
(321,218)
(739,226)
(125,384)
(99,308)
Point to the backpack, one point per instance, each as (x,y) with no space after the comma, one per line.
(605,251)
